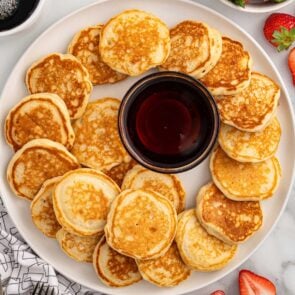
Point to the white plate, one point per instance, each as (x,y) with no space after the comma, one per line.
(56,38)
(266,7)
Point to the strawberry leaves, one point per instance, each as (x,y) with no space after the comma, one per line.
(283,38)
(239,2)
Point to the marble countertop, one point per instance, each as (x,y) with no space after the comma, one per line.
(275,259)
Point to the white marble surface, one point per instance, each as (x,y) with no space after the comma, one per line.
(275,259)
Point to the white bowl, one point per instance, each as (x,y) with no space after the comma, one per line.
(27,23)
(267,7)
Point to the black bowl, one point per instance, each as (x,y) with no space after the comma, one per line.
(203,122)
(23,11)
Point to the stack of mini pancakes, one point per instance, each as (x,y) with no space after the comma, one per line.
(113,212)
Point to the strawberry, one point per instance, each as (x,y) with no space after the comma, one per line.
(251,283)
(239,2)
(279,30)
(218,292)
(291,63)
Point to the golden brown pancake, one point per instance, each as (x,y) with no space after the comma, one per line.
(37,161)
(113,268)
(232,72)
(118,172)
(198,249)
(85,46)
(246,146)
(134,41)
(42,115)
(253,108)
(168,185)
(97,143)
(230,221)
(166,271)
(141,224)
(195,49)
(42,211)
(64,75)
(81,201)
(244,181)
(76,247)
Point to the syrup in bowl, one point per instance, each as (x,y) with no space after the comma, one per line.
(168,122)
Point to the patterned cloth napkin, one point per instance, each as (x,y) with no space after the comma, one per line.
(21,269)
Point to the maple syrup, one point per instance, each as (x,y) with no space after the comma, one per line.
(169,120)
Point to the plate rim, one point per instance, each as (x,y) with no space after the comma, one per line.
(288,101)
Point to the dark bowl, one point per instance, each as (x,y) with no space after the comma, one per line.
(194,96)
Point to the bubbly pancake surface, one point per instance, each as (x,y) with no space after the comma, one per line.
(113,268)
(232,72)
(37,161)
(253,108)
(85,46)
(76,247)
(42,211)
(244,146)
(118,172)
(166,271)
(134,41)
(195,49)
(42,115)
(244,181)
(167,185)
(230,221)
(63,75)
(141,224)
(198,249)
(82,199)
(97,143)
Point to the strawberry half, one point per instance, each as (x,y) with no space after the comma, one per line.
(291,63)
(279,30)
(251,283)
(218,292)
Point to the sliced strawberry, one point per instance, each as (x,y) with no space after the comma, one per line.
(218,292)
(279,30)
(253,284)
(291,63)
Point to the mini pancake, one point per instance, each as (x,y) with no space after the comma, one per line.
(85,46)
(232,72)
(37,161)
(199,250)
(113,268)
(230,221)
(165,271)
(141,224)
(42,211)
(253,108)
(195,49)
(244,181)
(244,146)
(167,185)
(63,75)
(134,41)
(81,201)
(78,248)
(118,172)
(98,143)
(42,115)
